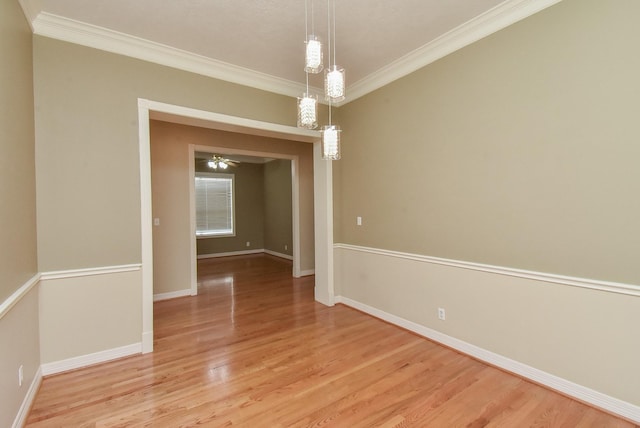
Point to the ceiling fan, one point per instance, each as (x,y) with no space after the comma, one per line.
(218,162)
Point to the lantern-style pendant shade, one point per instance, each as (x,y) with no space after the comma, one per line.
(313,55)
(334,84)
(331,142)
(308,111)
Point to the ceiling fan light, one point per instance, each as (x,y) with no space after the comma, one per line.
(334,84)
(223,165)
(212,164)
(308,111)
(331,142)
(313,55)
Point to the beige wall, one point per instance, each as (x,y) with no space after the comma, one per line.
(277,207)
(249,215)
(87,162)
(17,167)
(170,174)
(19,336)
(521,151)
(86,128)
(113,323)
(585,336)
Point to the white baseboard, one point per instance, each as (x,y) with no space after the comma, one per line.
(230,253)
(90,359)
(582,393)
(307,272)
(276,254)
(23,413)
(172,295)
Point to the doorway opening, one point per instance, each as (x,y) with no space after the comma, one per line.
(322,195)
(252,156)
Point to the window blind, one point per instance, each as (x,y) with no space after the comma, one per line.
(214,205)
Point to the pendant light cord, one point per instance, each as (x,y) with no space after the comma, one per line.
(334,32)
(329,30)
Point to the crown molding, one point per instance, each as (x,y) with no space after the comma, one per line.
(492,21)
(69,30)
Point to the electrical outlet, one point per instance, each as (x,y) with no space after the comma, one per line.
(20,375)
(248,244)
(359,221)
(286,247)
(441,314)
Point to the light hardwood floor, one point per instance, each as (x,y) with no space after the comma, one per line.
(253,349)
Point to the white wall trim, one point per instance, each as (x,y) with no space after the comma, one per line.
(104,270)
(593,284)
(595,398)
(23,412)
(17,295)
(492,21)
(69,30)
(323,231)
(308,272)
(90,359)
(147,341)
(276,254)
(146,221)
(230,253)
(172,295)
(193,245)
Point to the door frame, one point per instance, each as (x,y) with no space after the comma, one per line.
(322,180)
(295,202)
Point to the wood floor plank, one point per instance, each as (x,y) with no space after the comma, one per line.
(254,349)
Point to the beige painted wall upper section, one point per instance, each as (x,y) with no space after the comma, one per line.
(19,334)
(249,214)
(87,145)
(277,207)
(520,150)
(18,260)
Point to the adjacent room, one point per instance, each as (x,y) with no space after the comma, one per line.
(437,223)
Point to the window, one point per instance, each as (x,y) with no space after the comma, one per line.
(215,209)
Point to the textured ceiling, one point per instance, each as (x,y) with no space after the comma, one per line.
(267,36)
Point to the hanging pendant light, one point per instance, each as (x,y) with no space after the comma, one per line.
(313,55)
(331,142)
(334,78)
(334,91)
(308,111)
(313,51)
(334,83)
(308,103)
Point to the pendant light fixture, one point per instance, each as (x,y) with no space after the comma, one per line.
(308,103)
(334,82)
(308,110)
(331,140)
(313,51)
(334,75)
(334,91)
